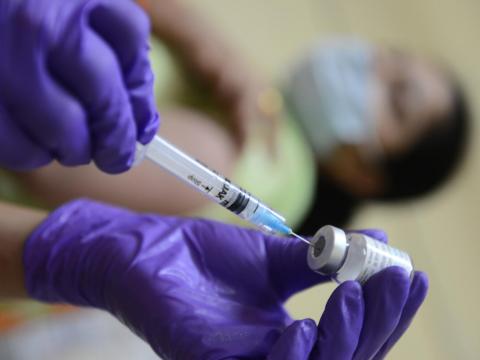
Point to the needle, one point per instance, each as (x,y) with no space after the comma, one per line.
(301,238)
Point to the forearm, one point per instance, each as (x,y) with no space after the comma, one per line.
(234,85)
(16,223)
(177,24)
(197,44)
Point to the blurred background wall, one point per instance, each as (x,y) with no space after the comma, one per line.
(440,232)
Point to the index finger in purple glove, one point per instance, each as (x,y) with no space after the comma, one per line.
(418,293)
(341,323)
(385,295)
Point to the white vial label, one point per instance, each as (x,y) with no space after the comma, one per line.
(379,256)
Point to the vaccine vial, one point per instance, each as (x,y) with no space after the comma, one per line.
(352,256)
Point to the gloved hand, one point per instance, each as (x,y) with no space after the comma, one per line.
(358,323)
(198,289)
(76,83)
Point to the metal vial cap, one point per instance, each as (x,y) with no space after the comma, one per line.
(328,250)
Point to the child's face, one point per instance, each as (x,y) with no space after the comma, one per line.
(414,97)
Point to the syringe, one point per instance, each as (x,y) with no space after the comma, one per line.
(216,187)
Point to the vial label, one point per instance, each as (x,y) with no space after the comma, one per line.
(380,256)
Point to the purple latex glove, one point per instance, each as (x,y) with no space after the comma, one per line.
(198,289)
(76,83)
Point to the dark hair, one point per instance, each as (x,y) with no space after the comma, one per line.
(433,159)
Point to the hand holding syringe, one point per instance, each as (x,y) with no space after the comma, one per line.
(215,186)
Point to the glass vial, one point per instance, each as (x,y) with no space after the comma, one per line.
(352,256)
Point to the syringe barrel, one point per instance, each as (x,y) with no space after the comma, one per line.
(216,187)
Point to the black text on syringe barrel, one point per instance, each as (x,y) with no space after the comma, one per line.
(216,187)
